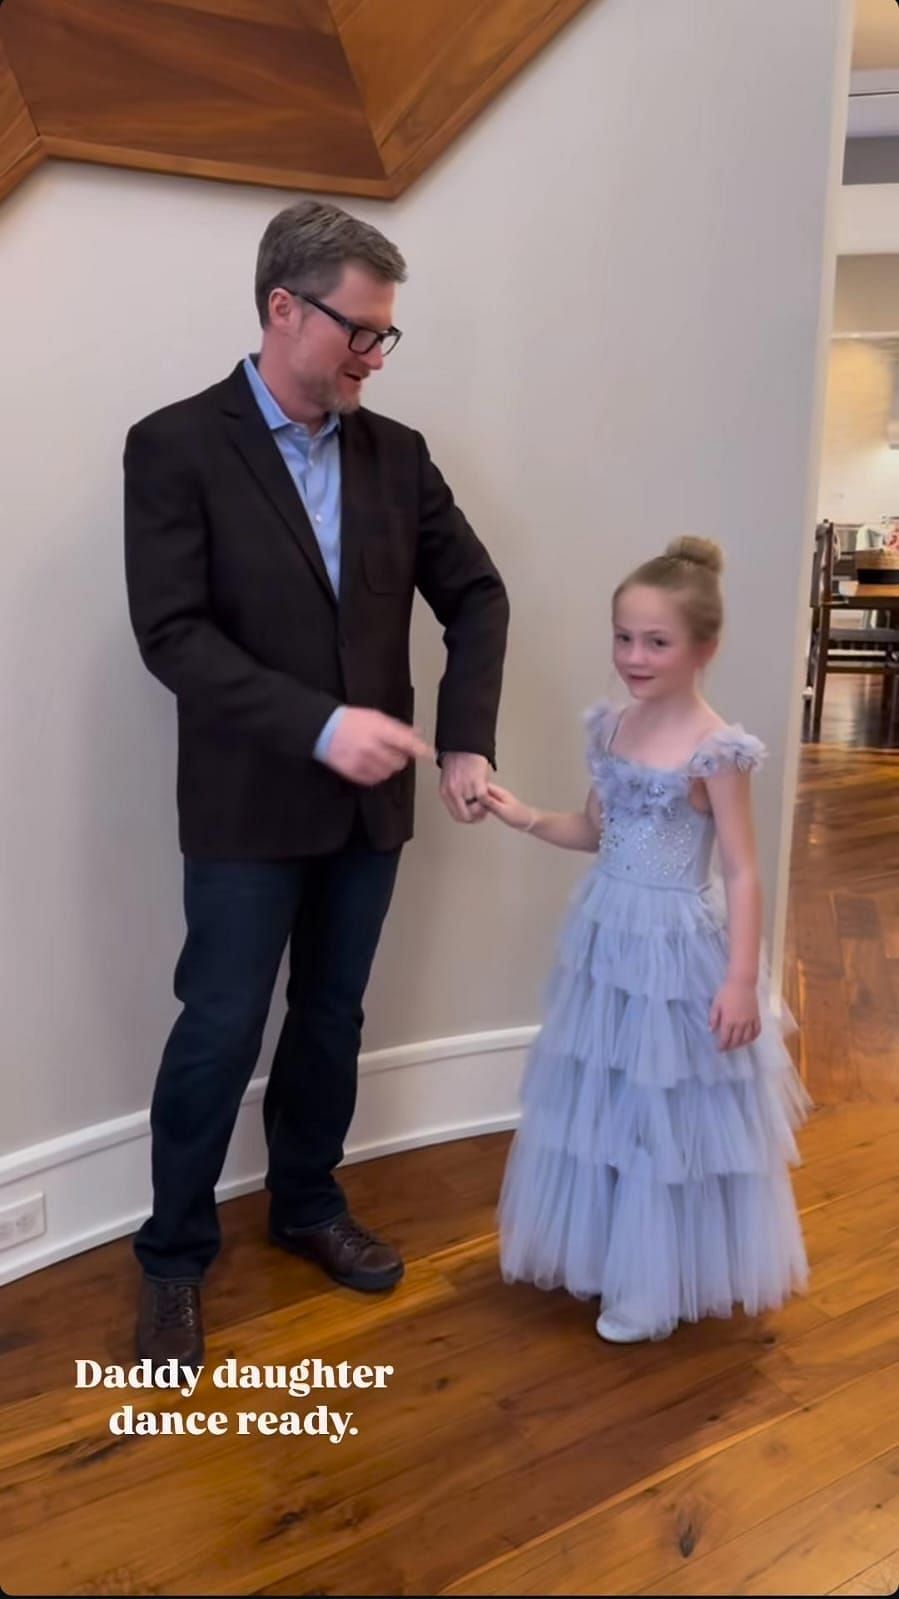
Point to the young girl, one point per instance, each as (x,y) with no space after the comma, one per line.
(650,1166)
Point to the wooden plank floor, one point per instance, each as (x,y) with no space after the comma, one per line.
(842,951)
(512,1451)
(852,714)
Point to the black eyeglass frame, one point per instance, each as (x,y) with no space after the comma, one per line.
(354,330)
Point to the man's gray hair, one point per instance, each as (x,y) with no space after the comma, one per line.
(307,245)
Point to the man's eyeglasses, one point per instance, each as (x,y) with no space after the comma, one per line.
(360,339)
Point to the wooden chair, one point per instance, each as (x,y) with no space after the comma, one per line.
(843,649)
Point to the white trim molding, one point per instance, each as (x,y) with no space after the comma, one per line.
(96,1180)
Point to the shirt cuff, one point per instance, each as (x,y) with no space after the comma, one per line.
(323,742)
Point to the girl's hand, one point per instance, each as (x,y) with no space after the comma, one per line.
(509,809)
(734,1015)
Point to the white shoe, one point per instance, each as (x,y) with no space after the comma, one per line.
(615,1331)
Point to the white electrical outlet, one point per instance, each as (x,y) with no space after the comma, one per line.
(22,1221)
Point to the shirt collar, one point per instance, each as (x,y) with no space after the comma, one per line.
(272,414)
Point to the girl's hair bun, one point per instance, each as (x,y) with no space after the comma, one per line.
(698,552)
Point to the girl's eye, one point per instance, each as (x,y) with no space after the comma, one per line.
(660,643)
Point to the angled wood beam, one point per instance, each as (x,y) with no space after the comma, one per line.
(426,70)
(20,144)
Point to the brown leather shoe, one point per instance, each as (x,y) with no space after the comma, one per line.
(347,1252)
(170,1322)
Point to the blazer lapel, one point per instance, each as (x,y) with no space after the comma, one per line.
(358,498)
(253,439)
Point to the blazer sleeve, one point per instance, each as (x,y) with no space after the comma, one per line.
(460,583)
(166,569)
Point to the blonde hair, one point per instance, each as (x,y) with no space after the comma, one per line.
(690,570)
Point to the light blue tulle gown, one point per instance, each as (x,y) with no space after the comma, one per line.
(649,1167)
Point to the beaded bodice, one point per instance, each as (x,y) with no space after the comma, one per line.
(653,833)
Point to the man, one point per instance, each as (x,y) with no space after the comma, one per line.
(275,533)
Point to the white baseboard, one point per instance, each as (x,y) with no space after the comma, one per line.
(96,1181)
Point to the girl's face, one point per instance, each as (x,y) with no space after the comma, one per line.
(654,651)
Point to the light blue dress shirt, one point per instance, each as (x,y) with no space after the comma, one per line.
(313,461)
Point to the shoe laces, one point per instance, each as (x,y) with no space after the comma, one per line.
(177,1305)
(349,1231)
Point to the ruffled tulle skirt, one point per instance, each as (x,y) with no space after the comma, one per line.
(650,1168)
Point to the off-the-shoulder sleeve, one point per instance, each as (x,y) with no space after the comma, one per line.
(600,722)
(728,747)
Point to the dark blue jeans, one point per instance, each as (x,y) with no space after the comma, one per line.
(240,916)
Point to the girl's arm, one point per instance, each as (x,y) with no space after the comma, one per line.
(735,1013)
(567,829)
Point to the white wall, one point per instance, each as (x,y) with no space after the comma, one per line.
(613,335)
(859,471)
(868,219)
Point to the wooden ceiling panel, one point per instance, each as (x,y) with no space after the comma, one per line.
(424,82)
(206,82)
(353,96)
(20,145)
(341,10)
(393,68)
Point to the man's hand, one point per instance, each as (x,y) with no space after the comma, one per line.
(463,785)
(368,747)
